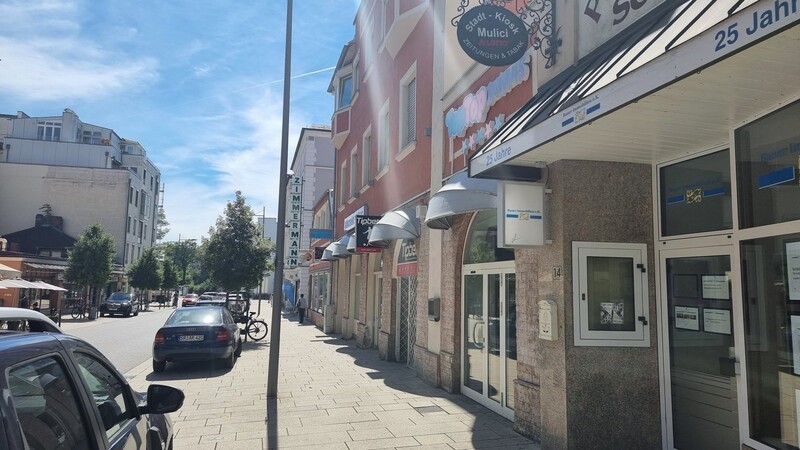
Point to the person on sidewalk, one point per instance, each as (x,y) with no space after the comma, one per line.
(302,304)
(175,300)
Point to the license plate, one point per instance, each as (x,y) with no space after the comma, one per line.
(112,307)
(191,338)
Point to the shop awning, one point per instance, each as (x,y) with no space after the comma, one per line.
(351,243)
(46,266)
(461,194)
(327,254)
(339,250)
(665,86)
(397,224)
(18,283)
(48,286)
(8,272)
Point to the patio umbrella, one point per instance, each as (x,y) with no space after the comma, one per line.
(49,286)
(8,272)
(18,283)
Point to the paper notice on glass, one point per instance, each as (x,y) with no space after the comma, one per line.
(717,321)
(716,287)
(795,325)
(687,318)
(612,313)
(793,269)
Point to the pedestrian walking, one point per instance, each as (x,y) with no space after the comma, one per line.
(302,304)
(175,299)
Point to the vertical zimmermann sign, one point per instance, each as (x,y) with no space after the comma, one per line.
(492,35)
(294,216)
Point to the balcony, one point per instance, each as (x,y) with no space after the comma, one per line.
(340,128)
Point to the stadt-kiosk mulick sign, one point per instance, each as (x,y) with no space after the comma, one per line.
(492,35)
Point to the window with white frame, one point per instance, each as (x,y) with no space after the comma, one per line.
(345,91)
(91,137)
(383,144)
(353,173)
(408,124)
(48,131)
(366,155)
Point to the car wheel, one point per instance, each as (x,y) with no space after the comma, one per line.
(159,366)
(238,351)
(127,313)
(136,313)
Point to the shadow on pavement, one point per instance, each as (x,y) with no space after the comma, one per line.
(189,371)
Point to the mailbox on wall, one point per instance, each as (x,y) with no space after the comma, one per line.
(433,308)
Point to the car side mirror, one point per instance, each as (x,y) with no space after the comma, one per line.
(162,399)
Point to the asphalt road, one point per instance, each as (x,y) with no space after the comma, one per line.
(126,341)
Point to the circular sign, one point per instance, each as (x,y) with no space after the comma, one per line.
(492,35)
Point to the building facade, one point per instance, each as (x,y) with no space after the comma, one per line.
(86,173)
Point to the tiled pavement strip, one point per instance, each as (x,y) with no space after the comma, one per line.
(331,395)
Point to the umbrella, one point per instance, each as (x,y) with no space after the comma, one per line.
(49,286)
(8,272)
(18,283)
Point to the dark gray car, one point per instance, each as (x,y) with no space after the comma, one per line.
(123,303)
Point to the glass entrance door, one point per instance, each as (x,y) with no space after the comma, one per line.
(490,341)
(703,364)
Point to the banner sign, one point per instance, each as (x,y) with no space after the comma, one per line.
(492,36)
(320,233)
(295,215)
(520,221)
(407,259)
(363,227)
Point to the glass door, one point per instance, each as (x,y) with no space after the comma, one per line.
(703,366)
(489,327)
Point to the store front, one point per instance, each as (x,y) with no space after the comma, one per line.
(489,344)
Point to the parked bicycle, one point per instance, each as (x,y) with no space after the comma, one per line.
(256,329)
(80,311)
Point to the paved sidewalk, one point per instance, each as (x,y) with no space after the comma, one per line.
(330,396)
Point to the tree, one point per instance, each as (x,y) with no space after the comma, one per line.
(235,253)
(162,226)
(143,274)
(169,279)
(91,259)
(182,255)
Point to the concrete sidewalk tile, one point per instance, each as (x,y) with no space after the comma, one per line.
(189,445)
(431,439)
(316,428)
(381,424)
(384,443)
(243,426)
(217,437)
(374,433)
(312,439)
(189,432)
(250,444)
(419,430)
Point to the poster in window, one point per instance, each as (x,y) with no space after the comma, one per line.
(717,321)
(612,313)
(793,269)
(687,318)
(716,287)
(795,326)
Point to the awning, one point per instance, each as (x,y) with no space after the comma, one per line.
(46,266)
(8,272)
(339,250)
(327,254)
(664,86)
(397,224)
(48,286)
(18,283)
(351,243)
(460,195)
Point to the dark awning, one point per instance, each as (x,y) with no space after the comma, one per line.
(665,85)
(460,195)
(394,225)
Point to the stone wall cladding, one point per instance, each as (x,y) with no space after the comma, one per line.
(426,364)
(452,257)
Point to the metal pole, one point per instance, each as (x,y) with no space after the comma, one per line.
(277,294)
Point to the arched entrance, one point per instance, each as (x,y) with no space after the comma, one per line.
(488,322)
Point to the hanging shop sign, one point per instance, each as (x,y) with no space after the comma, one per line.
(520,221)
(407,259)
(350,221)
(363,228)
(600,20)
(492,35)
(293,222)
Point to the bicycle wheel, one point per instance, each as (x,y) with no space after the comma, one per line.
(257,330)
(76,312)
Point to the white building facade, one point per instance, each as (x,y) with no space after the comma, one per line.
(86,173)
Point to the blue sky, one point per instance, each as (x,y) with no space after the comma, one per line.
(198,83)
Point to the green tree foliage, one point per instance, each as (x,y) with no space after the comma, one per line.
(91,260)
(162,226)
(182,254)
(235,253)
(143,274)
(169,279)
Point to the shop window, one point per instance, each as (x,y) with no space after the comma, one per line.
(695,195)
(767,152)
(771,293)
(482,241)
(610,294)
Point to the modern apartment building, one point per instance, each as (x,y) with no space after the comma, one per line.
(87,174)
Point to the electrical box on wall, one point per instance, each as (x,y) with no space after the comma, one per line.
(433,308)
(548,320)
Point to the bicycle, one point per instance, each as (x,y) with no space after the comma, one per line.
(79,311)
(256,329)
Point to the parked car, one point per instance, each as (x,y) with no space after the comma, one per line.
(210,299)
(189,300)
(203,333)
(61,393)
(123,303)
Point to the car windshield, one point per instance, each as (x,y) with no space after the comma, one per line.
(195,316)
(119,297)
